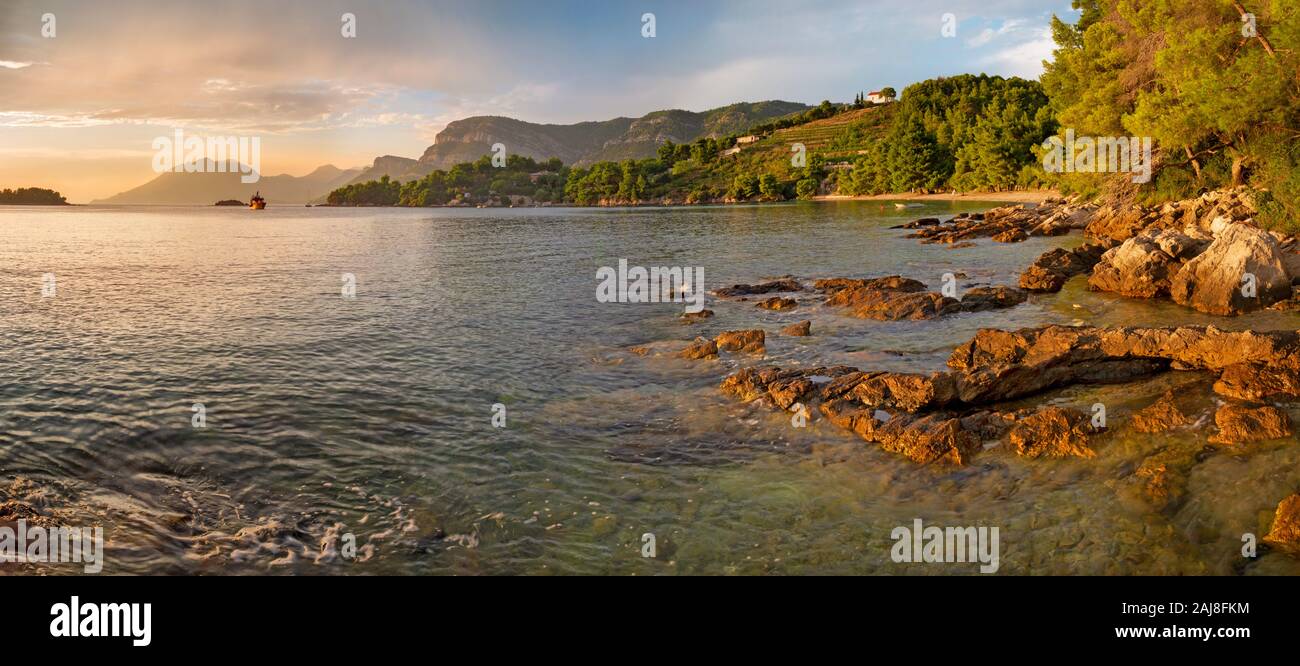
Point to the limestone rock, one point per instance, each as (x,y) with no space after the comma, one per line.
(1162,415)
(1259,382)
(700,349)
(1216,281)
(1053,432)
(799,330)
(778,303)
(748,340)
(1284,534)
(1239,423)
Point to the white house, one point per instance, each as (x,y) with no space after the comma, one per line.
(876,98)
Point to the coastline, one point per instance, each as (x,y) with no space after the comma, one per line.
(1018,196)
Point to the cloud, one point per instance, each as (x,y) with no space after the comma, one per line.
(11,64)
(1011,27)
(1025,58)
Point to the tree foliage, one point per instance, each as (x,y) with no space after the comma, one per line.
(1215,83)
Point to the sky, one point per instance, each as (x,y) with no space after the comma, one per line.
(80,109)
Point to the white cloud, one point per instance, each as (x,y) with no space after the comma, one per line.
(1024,59)
(1009,27)
(11,64)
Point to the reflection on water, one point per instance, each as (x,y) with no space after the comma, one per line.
(371,417)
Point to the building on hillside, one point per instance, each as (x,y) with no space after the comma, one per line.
(875,97)
(730,151)
(747,140)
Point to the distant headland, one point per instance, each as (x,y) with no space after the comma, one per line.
(31,196)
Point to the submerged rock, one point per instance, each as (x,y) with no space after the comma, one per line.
(991,298)
(762,288)
(1163,477)
(1162,415)
(1239,423)
(1284,534)
(927,439)
(778,303)
(694,317)
(799,330)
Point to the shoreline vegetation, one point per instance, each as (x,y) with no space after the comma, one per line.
(32,196)
(1161,129)
(936,139)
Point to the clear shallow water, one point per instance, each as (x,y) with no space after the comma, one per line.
(372,416)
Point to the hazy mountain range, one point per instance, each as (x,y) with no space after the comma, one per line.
(465,141)
(208,188)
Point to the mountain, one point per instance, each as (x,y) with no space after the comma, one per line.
(579,144)
(207,188)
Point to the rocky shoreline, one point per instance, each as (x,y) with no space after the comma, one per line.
(1205,254)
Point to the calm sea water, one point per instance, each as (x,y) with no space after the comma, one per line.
(372,416)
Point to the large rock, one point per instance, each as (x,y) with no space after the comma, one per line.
(999,365)
(891,282)
(700,349)
(1142,266)
(1053,432)
(1284,534)
(1119,223)
(1050,271)
(898,305)
(754,383)
(1215,281)
(1259,382)
(749,340)
(943,415)
(1239,423)
(896,298)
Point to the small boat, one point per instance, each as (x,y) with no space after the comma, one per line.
(257,202)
